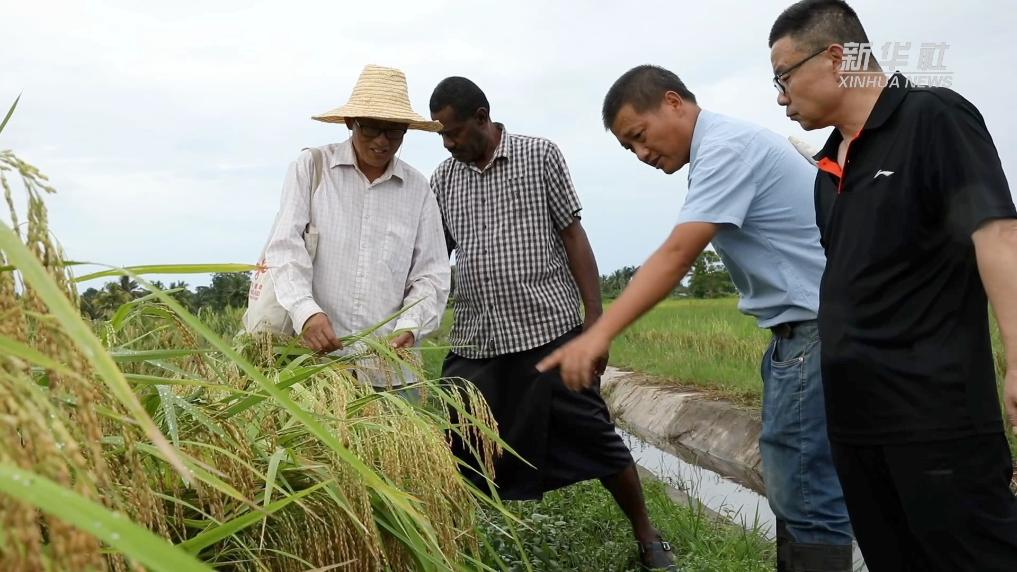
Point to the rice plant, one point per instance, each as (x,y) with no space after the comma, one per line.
(153,440)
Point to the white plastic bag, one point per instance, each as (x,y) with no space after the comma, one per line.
(264,313)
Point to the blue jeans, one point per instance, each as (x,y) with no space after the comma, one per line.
(801,483)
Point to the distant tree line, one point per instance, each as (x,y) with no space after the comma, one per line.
(226,290)
(707,279)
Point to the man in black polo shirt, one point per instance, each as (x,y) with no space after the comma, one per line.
(918,225)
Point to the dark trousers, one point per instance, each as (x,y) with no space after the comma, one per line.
(941,505)
(564,436)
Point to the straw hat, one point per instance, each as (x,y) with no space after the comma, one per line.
(380,93)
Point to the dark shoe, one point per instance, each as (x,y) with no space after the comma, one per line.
(783,547)
(801,557)
(656,556)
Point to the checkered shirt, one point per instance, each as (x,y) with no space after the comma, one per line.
(513,287)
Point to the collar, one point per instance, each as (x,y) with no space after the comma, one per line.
(502,151)
(344,156)
(897,88)
(703,123)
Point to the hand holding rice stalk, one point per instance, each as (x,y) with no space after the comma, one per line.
(160,444)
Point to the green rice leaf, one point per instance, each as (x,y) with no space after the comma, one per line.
(74,326)
(216,532)
(170,269)
(199,471)
(122,355)
(169,413)
(10,112)
(31,355)
(134,541)
(273,469)
(141,379)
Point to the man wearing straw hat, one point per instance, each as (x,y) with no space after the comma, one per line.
(380,247)
(523,264)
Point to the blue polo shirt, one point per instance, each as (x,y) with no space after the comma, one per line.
(755,186)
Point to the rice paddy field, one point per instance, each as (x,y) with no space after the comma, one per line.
(157,439)
(150,441)
(709,343)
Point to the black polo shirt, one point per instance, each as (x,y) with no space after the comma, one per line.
(903,315)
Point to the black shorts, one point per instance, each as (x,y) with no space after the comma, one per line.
(567,436)
(940,505)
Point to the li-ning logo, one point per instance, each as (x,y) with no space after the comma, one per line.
(886,173)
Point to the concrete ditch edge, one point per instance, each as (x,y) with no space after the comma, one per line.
(714,434)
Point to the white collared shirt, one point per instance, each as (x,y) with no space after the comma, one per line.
(381,247)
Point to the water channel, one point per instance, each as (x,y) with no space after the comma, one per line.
(717,493)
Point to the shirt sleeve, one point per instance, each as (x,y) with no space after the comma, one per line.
(438,191)
(965,171)
(289,265)
(721,187)
(562,201)
(427,284)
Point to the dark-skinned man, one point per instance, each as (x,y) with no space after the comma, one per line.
(523,265)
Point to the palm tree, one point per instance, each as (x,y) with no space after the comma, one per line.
(233,289)
(110,298)
(89,304)
(183,294)
(130,287)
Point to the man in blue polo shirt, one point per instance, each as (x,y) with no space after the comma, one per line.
(750,194)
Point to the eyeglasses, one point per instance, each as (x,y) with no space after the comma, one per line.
(370,131)
(780,79)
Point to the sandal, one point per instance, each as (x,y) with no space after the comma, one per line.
(656,556)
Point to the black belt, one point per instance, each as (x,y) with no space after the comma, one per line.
(785,330)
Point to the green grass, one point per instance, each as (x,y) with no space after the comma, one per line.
(581,528)
(706,343)
(711,344)
(433,348)
(697,342)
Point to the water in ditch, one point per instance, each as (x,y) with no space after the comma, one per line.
(740,504)
(721,495)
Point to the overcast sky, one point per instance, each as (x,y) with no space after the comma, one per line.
(167,127)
